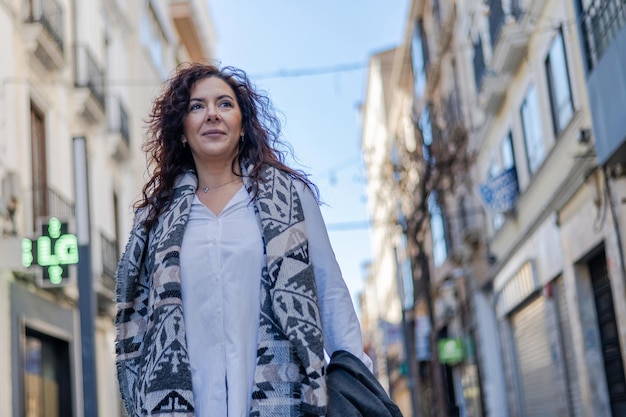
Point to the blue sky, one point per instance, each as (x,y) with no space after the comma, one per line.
(274,40)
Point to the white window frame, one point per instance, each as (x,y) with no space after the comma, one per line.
(532,129)
(559,86)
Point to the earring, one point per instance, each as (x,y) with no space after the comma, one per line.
(242,138)
(184,143)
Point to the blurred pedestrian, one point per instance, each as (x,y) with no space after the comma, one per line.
(228,292)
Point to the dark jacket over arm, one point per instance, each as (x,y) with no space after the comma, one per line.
(353,391)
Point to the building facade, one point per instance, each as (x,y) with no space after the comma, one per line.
(381,301)
(526,261)
(77,76)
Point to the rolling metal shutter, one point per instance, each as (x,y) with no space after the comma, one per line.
(609,335)
(535,365)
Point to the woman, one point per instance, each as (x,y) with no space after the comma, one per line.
(228,277)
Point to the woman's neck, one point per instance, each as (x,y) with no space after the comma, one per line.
(214,178)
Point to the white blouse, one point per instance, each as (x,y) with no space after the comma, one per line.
(221,261)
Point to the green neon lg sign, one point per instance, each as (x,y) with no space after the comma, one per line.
(54,251)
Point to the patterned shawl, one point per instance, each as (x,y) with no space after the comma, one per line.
(151,350)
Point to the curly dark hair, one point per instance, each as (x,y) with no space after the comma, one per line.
(168,158)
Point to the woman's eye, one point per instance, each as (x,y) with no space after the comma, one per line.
(226,104)
(193,107)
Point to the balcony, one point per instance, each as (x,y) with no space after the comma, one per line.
(496,20)
(478,63)
(464,241)
(119,129)
(194,27)
(105,284)
(490,85)
(525,12)
(493,91)
(43,32)
(600,25)
(509,38)
(603,29)
(465,225)
(453,113)
(49,202)
(89,83)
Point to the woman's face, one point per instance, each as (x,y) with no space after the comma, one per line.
(213,125)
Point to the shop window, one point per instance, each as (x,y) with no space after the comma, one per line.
(46,376)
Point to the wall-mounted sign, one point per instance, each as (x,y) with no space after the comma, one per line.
(451,350)
(500,192)
(55,251)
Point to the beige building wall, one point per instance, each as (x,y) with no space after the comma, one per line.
(382,309)
(98,82)
(555,223)
(563,215)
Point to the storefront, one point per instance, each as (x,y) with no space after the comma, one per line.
(532,346)
(43,346)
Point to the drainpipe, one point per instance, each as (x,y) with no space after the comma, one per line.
(616,227)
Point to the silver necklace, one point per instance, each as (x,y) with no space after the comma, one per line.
(207,189)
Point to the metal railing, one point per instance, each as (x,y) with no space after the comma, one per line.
(118,118)
(109,252)
(517,11)
(59,205)
(89,74)
(48,202)
(124,127)
(479,63)
(50,14)
(465,222)
(600,23)
(454,115)
(496,20)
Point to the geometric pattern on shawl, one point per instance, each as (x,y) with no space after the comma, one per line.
(151,351)
(289,375)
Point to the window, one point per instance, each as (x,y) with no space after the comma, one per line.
(559,85)
(479,62)
(497,218)
(501,189)
(496,20)
(531,124)
(427,133)
(419,53)
(38,164)
(153,38)
(507,156)
(436,10)
(437,230)
(46,376)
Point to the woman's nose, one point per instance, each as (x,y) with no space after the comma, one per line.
(212,114)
